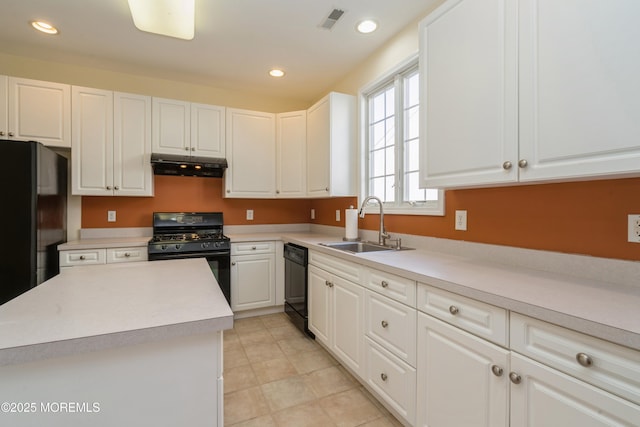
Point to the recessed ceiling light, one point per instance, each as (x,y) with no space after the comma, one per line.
(173,18)
(44,27)
(367,26)
(276,73)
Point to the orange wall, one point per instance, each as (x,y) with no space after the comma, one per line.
(579,217)
(190,194)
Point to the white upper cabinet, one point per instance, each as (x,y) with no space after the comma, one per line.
(185,128)
(528,90)
(251,154)
(579,88)
(291,160)
(35,110)
(207,130)
(111,143)
(331,147)
(468,93)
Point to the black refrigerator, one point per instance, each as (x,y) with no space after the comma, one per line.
(33,215)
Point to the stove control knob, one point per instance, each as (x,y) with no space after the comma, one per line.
(205,245)
(177,246)
(164,247)
(217,244)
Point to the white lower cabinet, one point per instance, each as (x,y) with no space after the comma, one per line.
(253,278)
(336,316)
(458,381)
(392,379)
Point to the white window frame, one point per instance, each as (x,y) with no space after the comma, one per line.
(434,208)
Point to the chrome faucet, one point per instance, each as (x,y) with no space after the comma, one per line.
(382,233)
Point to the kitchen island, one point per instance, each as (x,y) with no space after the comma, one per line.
(116,344)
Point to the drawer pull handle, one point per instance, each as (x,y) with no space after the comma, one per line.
(82,258)
(384,323)
(383,376)
(497,370)
(584,359)
(515,378)
(384,284)
(454,310)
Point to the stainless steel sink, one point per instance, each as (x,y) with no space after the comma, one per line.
(357,247)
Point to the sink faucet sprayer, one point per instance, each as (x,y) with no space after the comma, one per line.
(382,233)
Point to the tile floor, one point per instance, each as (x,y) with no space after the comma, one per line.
(276,377)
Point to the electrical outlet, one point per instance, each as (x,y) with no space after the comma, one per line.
(337,215)
(313,214)
(111,216)
(634,228)
(461,220)
(249,214)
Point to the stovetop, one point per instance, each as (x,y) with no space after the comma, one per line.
(193,232)
(188,237)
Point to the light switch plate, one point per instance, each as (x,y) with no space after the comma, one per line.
(634,228)
(337,215)
(249,214)
(313,214)
(461,220)
(111,216)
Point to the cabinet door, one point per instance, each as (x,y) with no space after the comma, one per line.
(133,175)
(347,323)
(291,154)
(171,127)
(456,383)
(546,397)
(207,130)
(40,111)
(319,304)
(4,102)
(579,88)
(92,143)
(251,154)
(318,150)
(468,88)
(252,282)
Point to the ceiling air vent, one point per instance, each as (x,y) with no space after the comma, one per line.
(332,19)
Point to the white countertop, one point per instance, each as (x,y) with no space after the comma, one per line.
(604,310)
(103,306)
(110,242)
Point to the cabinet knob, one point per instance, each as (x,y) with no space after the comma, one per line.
(228,191)
(11,134)
(193,148)
(497,370)
(1,133)
(81,257)
(326,189)
(233,263)
(277,191)
(507,165)
(515,378)
(384,323)
(330,284)
(327,283)
(108,187)
(454,310)
(584,359)
(383,376)
(253,248)
(127,254)
(116,188)
(384,284)
(523,163)
(186,148)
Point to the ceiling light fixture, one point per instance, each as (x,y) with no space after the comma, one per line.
(44,27)
(276,73)
(367,26)
(173,18)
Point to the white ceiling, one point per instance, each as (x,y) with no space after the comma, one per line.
(236,41)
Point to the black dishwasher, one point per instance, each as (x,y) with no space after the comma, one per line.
(295,286)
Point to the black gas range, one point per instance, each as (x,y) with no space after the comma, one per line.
(179,235)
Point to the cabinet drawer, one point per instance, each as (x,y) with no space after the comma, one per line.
(392,379)
(398,288)
(345,269)
(610,366)
(391,324)
(82,257)
(250,248)
(132,254)
(483,320)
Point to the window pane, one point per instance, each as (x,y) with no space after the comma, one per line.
(411,151)
(390,189)
(378,135)
(411,123)
(412,192)
(378,163)
(377,187)
(377,107)
(390,157)
(412,90)
(391,102)
(390,135)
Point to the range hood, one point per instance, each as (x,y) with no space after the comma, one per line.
(169,164)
